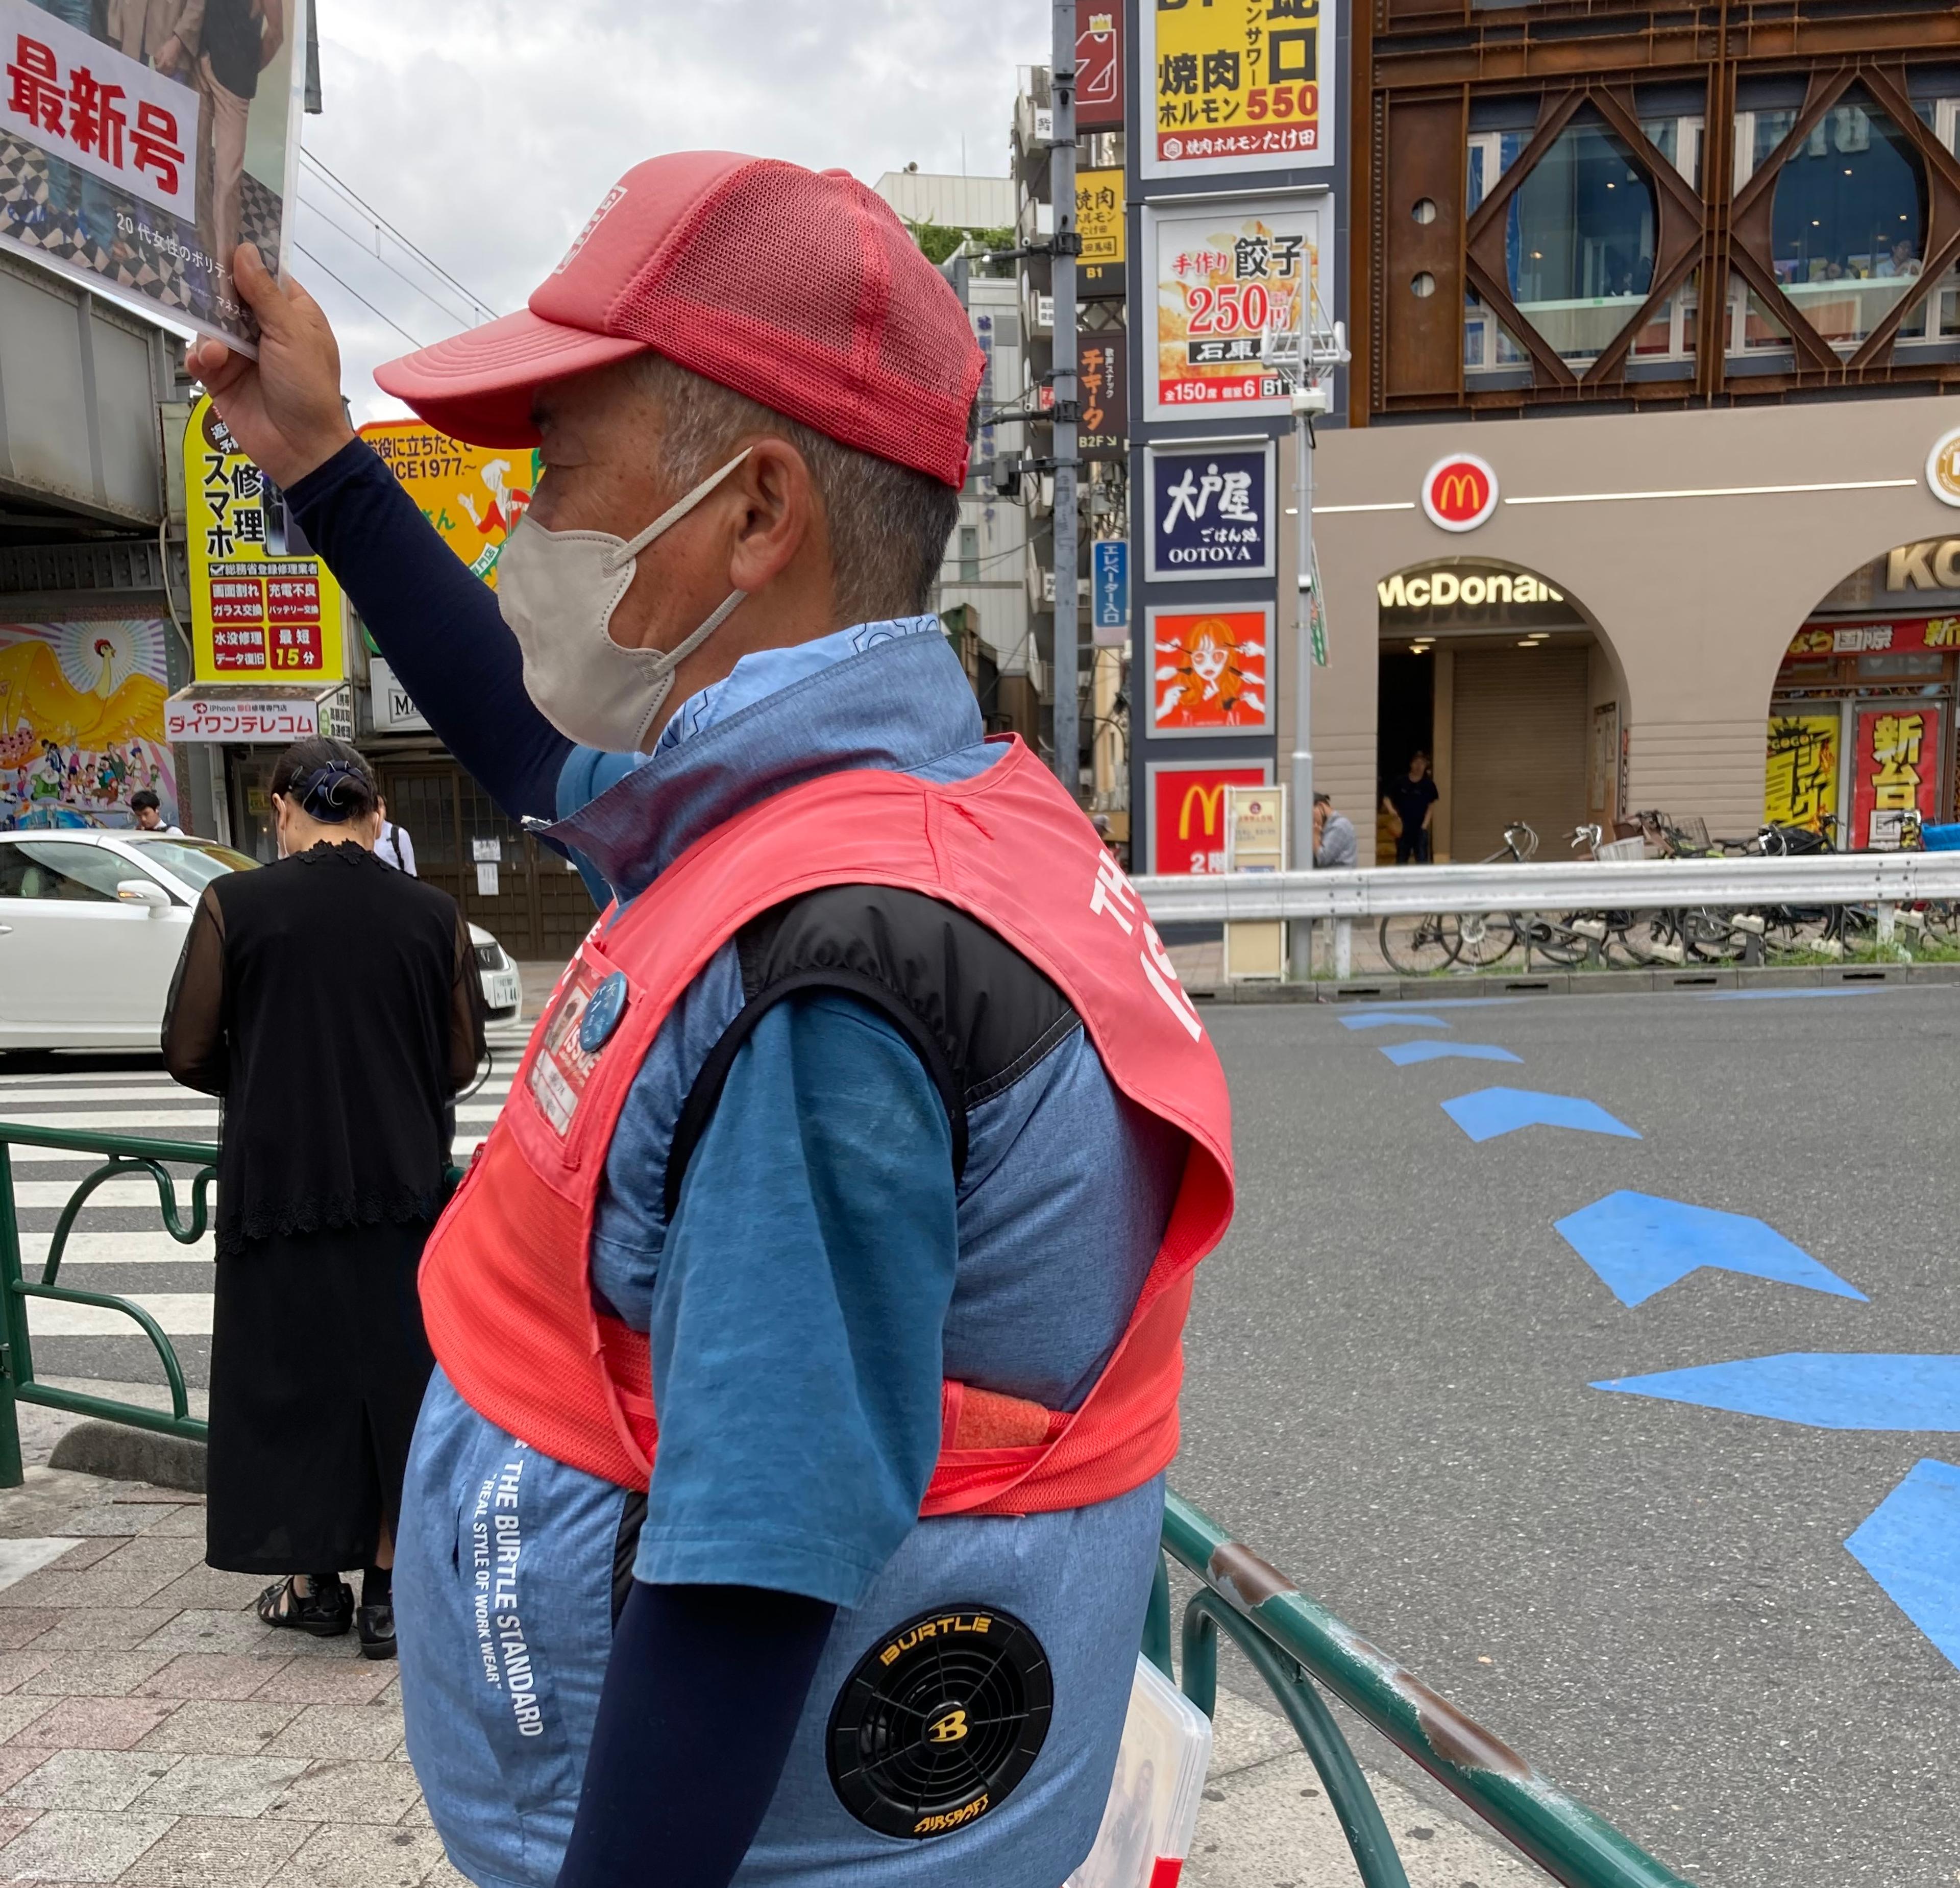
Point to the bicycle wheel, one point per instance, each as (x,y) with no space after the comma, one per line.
(1415,946)
(1554,938)
(1479,939)
(1710,936)
(1638,938)
(1943,922)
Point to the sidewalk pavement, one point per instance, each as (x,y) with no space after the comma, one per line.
(154,1733)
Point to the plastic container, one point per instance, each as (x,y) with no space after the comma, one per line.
(1152,1813)
(1621,851)
(1941,838)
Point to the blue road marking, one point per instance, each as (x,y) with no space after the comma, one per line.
(1490,1111)
(1426,1048)
(1824,1389)
(1375,1019)
(1911,1545)
(1796,996)
(1639,1244)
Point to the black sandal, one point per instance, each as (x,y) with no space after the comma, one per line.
(324,1613)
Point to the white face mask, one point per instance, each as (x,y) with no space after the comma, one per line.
(558,590)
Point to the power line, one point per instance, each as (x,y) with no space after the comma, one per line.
(382,224)
(302,250)
(307,203)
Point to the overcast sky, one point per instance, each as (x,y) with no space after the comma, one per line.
(488,133)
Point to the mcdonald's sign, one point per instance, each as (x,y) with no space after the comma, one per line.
(1459,492)
(1188,813)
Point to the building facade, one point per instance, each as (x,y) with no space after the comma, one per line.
(1642,498)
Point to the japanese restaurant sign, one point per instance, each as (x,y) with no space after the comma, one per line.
(109,180)
(264,605)
(472,496)
(1894,772)
(1236,85)
(1225,276)
(1098,220)
(1210,513)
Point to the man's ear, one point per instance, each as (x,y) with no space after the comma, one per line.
(780,512)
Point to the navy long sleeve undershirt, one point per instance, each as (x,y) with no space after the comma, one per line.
(437,625)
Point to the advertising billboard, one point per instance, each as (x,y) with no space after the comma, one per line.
(1099,65)
(1800,775)
(1211,669)
(472,496)
(1187,801)
(1225,273)
(1098,220)
(1210,511)
(1894,773)
(1104,395)
(264,605)
(1236,85)
(145,142)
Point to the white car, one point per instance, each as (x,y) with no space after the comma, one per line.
(92,923)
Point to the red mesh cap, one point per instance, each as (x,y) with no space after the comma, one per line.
(802,291)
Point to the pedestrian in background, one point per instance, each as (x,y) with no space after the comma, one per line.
(1334,844)
(148,812)
(393,846)
(1412,800)
(334,1004)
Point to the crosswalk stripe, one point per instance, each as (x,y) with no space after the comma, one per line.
(181,1314)
(85,1163)
(113,1124)
(114,1248)
(140,1190)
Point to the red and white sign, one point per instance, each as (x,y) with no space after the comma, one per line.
(1187,814)
(1460,492)
(1099,65)
(70,95)
(273,720)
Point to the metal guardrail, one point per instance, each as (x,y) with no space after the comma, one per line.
(1388,891)
(1296,1646)
(1293,1644)
(126,1155)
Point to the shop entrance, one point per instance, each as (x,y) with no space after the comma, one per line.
(526,895)
(1861,744)
(1493,672)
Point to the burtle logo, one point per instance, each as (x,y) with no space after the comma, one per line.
(1460,492)
(592,222)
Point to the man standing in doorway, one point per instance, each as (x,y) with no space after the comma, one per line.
(1412,800)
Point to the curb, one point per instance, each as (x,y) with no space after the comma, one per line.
(123,1454)
(1441,989)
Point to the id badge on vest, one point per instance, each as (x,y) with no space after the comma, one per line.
(589,1009)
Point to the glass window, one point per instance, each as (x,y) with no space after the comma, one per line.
(62,869)
(1579,249)
(969,554)
(1848,220)
(196,864)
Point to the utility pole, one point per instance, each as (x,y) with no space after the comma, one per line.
(1067,245)
(1304,357)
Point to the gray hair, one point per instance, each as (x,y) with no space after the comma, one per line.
(887,525)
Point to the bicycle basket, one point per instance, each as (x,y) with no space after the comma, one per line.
(1691,827)
(1621,851)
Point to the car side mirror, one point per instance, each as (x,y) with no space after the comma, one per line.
(143,891)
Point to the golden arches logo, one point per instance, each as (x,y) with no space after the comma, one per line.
(1210,803)
(1461,494)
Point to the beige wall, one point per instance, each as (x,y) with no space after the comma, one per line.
(1696,597)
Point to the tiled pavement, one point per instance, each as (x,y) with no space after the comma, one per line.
(152,1732)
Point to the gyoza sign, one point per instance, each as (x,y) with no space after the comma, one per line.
(1210,512)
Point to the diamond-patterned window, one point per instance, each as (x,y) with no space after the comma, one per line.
(1848,220)
(1580,247)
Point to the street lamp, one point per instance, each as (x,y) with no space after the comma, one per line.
(1302,355)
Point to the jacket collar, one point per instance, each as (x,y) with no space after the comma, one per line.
(900,704)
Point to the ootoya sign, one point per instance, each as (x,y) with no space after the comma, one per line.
(1210,512)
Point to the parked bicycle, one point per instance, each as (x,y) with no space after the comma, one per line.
(1417,947)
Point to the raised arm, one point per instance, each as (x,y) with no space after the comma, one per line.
(435,622)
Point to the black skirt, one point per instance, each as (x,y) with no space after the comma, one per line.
(318,1364)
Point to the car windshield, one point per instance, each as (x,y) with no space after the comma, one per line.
(196,861)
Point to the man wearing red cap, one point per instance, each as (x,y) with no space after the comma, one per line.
(785,1506)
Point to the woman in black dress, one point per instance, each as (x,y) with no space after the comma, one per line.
(334,1004)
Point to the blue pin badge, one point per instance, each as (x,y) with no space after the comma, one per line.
(603,1013)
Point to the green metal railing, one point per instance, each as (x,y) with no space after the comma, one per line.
(1295,1646)
(125,1153)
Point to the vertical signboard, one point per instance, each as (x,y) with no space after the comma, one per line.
(143,143)
(1099,65)
(1236,85)
(1800,777)
(1210,512)
(1104,393)
(1098,220)
(264,606)
(1895,771)
(1223,275)
(1109,591)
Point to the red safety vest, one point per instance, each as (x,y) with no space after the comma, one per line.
(505,1293)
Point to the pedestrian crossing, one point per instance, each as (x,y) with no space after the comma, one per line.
(118,1244)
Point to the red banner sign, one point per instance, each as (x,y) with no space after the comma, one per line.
(1892,637)
(1187,814)
(1894,772)
(1099,65)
